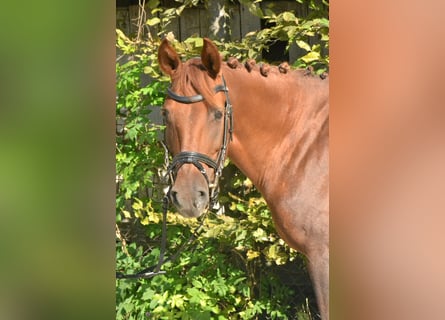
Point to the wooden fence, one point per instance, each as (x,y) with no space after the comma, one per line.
(220,20)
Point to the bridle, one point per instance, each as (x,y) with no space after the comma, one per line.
(198,159)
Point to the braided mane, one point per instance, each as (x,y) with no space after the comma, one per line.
(265,68)
(193,79)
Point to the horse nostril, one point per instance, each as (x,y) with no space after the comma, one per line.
(201,199)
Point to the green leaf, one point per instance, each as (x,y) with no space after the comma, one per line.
(197,283)
(311,56)
(180,9)
(220,288)
(128,306)
(153,21)
(323,22)
(148,294)
(303,45)
(195,42)
(289,16)
(252,254)
(240,207)
(177,301)
(260,234)
(148,70)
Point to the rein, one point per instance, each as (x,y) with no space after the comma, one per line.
(196,159)
(156,270)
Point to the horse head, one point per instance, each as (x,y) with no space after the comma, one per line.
(196,119)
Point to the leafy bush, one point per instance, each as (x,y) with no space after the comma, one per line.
(226,273)
(234,268)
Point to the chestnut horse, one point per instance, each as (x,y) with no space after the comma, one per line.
(278,138)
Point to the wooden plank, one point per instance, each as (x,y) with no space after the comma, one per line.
(204,23)
(189,23)
(123,19)
(234,22)
(134,14)
(249,22)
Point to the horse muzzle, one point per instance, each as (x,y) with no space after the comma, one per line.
(190,192)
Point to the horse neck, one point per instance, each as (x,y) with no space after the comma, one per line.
(269,115)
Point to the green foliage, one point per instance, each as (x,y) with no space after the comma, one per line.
(138,155)
(228,272)
(234,269)
(310,33)
(210,280)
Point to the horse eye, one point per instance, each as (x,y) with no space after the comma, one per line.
(218,114)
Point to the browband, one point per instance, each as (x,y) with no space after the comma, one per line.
(195,98)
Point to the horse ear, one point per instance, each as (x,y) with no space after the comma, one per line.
(211,58)
(168,58)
